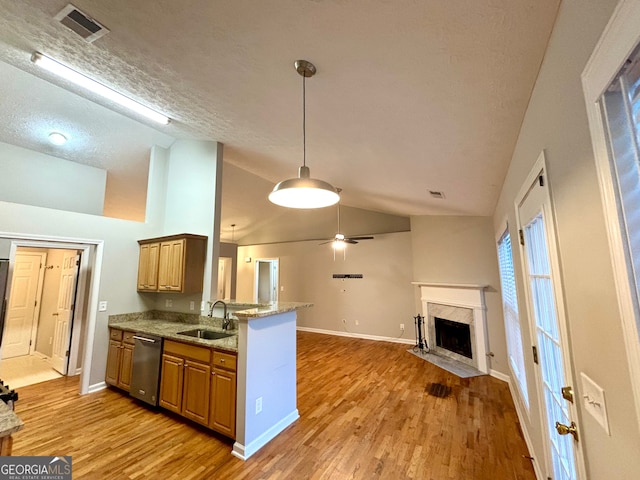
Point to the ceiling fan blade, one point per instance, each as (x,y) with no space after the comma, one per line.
(328,241)
(359,238)
(350,240)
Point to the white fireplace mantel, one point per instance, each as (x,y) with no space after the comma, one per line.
(465,296)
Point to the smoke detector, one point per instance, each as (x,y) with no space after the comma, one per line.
(81,23)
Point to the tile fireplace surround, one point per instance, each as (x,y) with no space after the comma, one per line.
(462,303)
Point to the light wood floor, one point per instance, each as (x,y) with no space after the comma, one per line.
(365,414)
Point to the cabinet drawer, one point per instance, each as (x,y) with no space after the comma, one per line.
(128,337)
(202,354)
(224,360)
(115,334)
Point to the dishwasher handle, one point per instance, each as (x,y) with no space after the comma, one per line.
(144,339)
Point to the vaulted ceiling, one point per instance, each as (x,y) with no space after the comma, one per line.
(411,96)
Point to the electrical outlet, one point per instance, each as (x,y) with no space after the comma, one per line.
(357,323)
(258,405)
(402,327)
(192,305)
(282,288)
(102,306)
(168,303)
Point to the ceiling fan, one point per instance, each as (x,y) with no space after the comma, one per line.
(340,240)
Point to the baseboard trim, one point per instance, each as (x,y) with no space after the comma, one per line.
(501,376)
(525,432)
(243,452)
(96,387)
(363,336)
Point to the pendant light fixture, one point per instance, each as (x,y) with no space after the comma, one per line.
(304,191)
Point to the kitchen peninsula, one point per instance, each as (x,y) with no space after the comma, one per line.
(265,344)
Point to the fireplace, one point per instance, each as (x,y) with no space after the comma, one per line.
(455,322)
(454,336)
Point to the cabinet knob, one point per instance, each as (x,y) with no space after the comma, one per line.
(222,360)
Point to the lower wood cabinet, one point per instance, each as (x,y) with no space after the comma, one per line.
(119,359)
(223,394)
(200,384)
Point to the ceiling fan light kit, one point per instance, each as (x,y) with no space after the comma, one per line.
(304,191)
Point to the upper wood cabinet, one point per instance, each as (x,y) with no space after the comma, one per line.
(172,264)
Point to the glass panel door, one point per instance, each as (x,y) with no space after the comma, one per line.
(546,315)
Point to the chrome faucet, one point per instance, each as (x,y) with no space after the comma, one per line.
(225,318)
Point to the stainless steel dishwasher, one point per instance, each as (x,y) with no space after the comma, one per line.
(145,375)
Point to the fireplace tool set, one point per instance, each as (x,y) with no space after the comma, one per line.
(422,342)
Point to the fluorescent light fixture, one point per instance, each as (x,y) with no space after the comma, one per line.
(57,138)
(96,87)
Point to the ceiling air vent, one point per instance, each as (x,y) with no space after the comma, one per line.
(435,194)
(81,23)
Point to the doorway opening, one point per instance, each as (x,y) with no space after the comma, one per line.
(78,353)
(38,317)
(266,276)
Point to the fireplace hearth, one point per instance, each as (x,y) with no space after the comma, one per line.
(455,322)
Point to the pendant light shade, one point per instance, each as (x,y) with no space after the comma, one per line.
(304,191)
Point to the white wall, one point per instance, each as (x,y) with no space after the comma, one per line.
(33,178)
(462,249)
(379,302)
(556,122)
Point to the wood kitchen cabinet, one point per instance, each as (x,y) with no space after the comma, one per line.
(148,267)
(172,264)
(119,359)
(199,383)
(223,394)
(184,383)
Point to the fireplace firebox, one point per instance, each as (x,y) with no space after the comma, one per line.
(454,336)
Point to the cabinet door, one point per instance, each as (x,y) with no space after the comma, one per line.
(114,357)
(148,267)
(171,383)
(171,263)
(196,391)
(223,402)
(126,365)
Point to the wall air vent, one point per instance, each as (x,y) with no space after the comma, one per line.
(81,23)
(435,194)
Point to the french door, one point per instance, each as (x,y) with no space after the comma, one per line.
(546,313)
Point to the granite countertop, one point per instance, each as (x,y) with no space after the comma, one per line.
(168,324)
(268,309)
(9,421)
(169,330)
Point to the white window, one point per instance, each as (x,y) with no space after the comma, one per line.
(611,87)
(511,317)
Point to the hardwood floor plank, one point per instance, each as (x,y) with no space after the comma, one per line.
(366,413)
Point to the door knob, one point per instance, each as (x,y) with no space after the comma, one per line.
(566,430)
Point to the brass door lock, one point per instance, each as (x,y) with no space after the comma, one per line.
(566,430)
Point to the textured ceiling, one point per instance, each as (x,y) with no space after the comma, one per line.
(410,95)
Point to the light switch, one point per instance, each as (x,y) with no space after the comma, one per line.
(102,306)
(594,403)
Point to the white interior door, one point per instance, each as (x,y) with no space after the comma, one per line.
(64,313)
(549,330)
(266,275)
(224,278)
(22,313)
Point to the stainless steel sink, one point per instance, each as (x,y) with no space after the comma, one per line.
(205,334)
